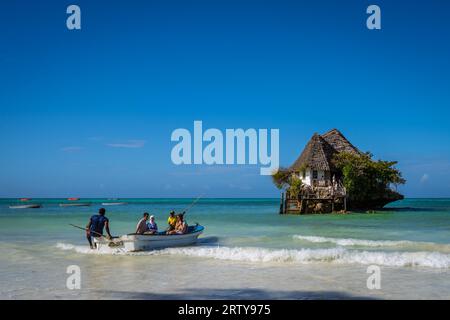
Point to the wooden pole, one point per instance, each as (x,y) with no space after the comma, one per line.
(282,203)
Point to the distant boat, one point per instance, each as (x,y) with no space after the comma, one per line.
(73,199)
(25,199)
(25,206)
(76,204)
(113,203)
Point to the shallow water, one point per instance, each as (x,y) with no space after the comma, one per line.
(248,250)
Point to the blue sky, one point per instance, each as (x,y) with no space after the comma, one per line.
(89,113)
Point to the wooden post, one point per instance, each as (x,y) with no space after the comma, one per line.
(332,204)
(282,203)
(345,204)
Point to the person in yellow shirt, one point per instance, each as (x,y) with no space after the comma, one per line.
(171,221)
(181,226)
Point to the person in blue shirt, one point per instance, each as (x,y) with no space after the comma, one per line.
(152,227)
(96,225)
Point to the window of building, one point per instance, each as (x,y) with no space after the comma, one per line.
(315,174)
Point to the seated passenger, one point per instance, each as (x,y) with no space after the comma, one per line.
(171,221)
(152,227)
(181,226)
(142,224)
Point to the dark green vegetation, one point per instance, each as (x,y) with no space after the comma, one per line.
(369,183)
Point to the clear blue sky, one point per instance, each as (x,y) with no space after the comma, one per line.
(72,101)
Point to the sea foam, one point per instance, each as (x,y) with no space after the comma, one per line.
(354,242)
(337,255)
(87,250)
(349,242)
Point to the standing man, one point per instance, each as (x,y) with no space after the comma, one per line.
(95,226)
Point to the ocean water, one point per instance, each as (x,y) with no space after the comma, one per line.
(247,250)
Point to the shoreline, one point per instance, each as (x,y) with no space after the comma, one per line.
(248,251)
(238,280)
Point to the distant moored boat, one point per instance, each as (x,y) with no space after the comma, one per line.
(113,203)
(76,204)
(25,206)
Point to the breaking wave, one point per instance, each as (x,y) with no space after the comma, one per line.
(353,242)
(302,256)
(87,250)
(349,242)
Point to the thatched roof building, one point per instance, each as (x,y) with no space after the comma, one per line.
(315,162)
(323,188)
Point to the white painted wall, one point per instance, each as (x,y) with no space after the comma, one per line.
(309,176)
(307,179)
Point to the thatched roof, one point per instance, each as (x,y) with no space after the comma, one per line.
(320,149)
(338,142)
(314,155)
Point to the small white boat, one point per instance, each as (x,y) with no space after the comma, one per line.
(75,204)
(25,206)
(147,242)
(113,203)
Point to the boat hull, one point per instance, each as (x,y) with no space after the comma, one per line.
(26,206)
(113,203)
(134,242)
(74,204)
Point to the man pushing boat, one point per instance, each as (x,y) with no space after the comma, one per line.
(96,225)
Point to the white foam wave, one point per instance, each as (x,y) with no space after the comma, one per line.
(352,242)
(371,243)
(303,256)
(87,250)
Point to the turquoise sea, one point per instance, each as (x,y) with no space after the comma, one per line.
(248,250)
